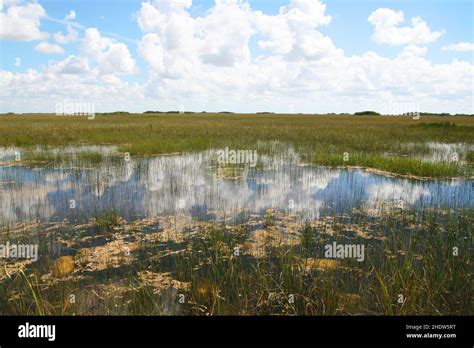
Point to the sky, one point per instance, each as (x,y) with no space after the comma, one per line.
(308,56)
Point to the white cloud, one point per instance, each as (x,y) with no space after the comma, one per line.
(387,31)
(71,36)
(300,64)
(151,50)
(72,65)
(34,90)
(179,46)
(459,47)
(111,57)
(292,32)
(204,63)
(70,16)
(22,23)
(223,34)
(413,50)
(48,48)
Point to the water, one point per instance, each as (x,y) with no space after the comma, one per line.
(442,152)
(198,186)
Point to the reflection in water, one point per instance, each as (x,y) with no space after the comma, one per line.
(441,152)
(9,153)
(196,185)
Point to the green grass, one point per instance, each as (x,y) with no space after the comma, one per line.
(320,139)
(415,259)
(88,157)
(399,165)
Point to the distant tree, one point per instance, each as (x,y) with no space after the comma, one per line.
(115,113)
(435,114)
(366,113)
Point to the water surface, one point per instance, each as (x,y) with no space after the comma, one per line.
(199,186)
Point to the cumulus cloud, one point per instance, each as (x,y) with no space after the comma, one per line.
(196,58)
(205,63)
(292,32)
(176,45)
(22,22)
(459,47)
(151,50)
(413,50)
(72,65)
(71,36)
(33,90)
(222,36)
(48,48)
(111,57)
(388,31)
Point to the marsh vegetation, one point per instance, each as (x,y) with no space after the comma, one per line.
(134,214)
(372,141)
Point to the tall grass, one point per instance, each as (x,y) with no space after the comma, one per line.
(408,254)
(321,139)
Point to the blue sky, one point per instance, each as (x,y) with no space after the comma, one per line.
(349,30)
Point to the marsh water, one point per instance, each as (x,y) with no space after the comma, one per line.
(200,186)
(127,235)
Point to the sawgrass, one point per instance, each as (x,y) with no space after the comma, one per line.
(319,139)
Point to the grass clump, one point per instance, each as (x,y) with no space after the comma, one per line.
(398,165)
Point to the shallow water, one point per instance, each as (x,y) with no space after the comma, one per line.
(199,186)
(441,152)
